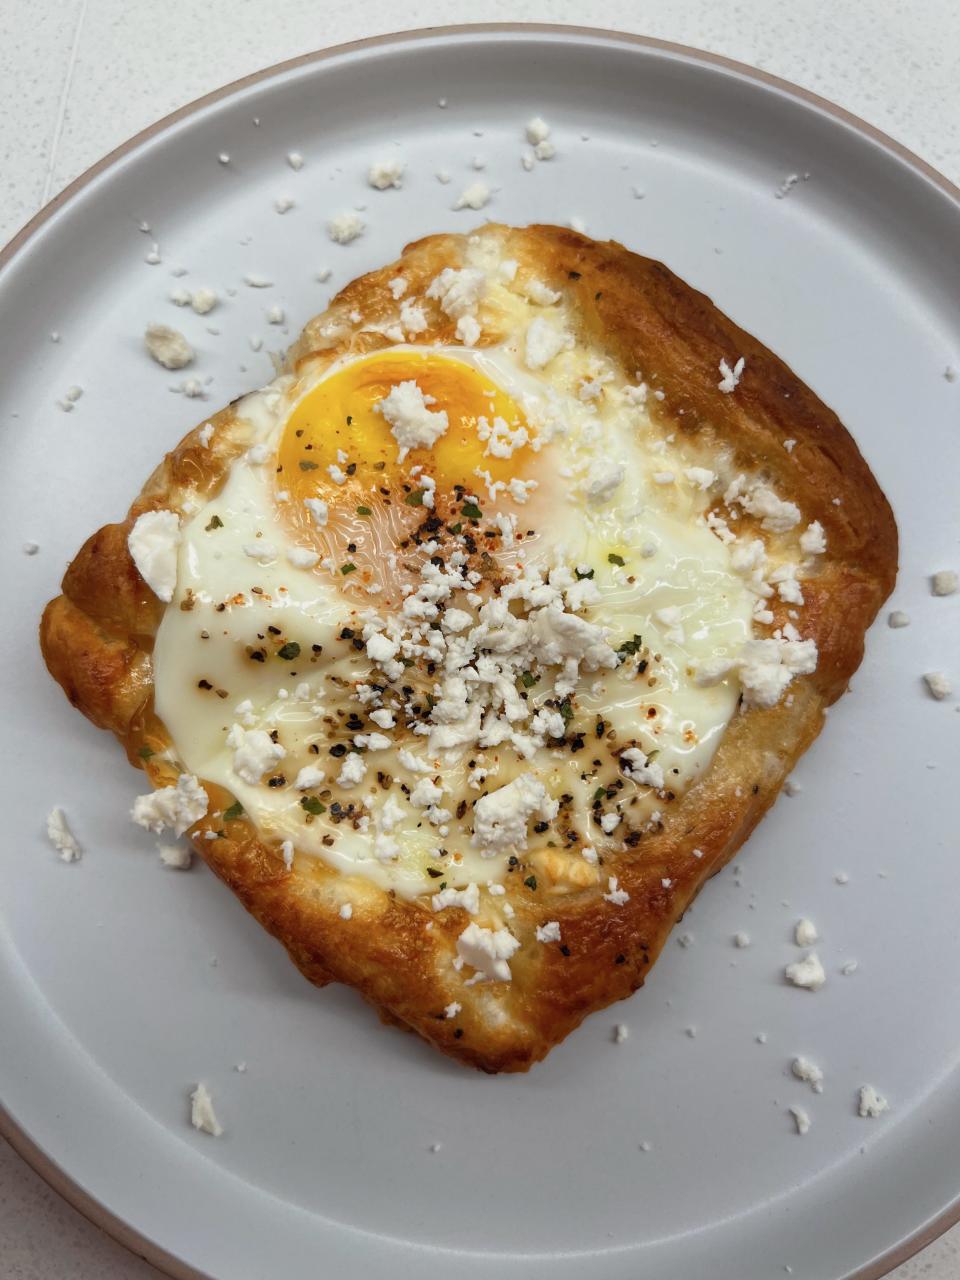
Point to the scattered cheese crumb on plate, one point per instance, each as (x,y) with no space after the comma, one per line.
(202,1115)
(61,837)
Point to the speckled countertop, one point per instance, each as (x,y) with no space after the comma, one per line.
(80,76)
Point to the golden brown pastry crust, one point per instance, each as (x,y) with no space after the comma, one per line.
(97,639)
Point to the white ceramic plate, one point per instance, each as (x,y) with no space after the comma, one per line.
(123,983)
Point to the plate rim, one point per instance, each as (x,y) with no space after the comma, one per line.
(40,1162)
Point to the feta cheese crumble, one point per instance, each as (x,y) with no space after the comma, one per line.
(805,933)
(153,543)
(202,1115)
(177,807)
(345,227)
(474,196)
(488,951)
(938,685)
(808,1072)
(808,973)
(61,837)
(412,424)
(870,1104)
(167,346)
(801,1119)
(730,378)
(384,174)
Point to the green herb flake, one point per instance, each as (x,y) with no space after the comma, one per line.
(415,499)
(528,679)
(234,812)
(566,710)
(631,646)
(307,465)
(531,882)
(215,523)
(456,528)
(146,752)
(312,805)
(471,510)
(364,511)
(613,558)
(349,567)
(599,794)
(289,651)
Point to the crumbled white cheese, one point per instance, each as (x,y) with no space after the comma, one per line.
(177,807)
(475,196)
(807,973)
(61,837)
(262,551)
(309,776)
(318,510)
(500,818)
(345,227)
(730,378)
(808,1072)
(621,1033)
(813,542)
(352,771)
(487,950)
(167,346)
(700,477)
(545,150)
(468,331)
(615,894)
(302,557)
(765,668)
(938,685)
(603,479)
(202,1115)
(153,543)
(897,618)
(871,1104)
(254,752)
(544,341)
(537,130)
(549,932)
(283,204)
(805,933)
(741,939)
(944,583)
(177,856)
(295,160)
(646,772)
(412,424)
(452,1009)
(386,173)
(467,899)
(801,1119)
(275,314)
(458,291)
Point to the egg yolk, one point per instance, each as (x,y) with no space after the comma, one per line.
(338,448)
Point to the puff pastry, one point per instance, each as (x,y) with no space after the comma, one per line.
(98,636)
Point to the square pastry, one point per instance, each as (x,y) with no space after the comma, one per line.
(470,647)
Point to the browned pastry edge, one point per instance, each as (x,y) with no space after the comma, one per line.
(97,640)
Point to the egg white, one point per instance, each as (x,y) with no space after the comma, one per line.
(672,561)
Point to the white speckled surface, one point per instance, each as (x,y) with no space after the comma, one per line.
(80,76)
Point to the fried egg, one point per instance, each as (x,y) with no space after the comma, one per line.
(447,607)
